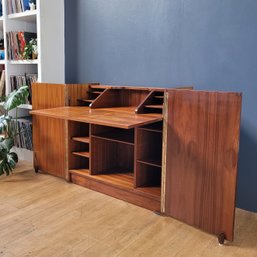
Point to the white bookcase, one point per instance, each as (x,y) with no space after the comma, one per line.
(48,22)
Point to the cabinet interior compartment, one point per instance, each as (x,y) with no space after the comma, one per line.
(111,157)
(79,146)
(148,156)
(148,175)
(149,147)
(79,163)
(154,104)
(154,127)
(125,136)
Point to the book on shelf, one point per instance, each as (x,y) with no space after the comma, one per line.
(16,81)
(16,43)
(2,83)
(25,5)
(17,6)
(24,137)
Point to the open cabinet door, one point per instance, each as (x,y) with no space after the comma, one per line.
(50,134)
(202,138)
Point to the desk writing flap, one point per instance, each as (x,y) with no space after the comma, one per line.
(201,158)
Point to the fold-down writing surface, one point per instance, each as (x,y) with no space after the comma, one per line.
(107,117)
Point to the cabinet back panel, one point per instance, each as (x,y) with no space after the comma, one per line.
(111,157)
(201,159)
(45,95)
(147,175)
(76,91)
(149,145)
(120,98)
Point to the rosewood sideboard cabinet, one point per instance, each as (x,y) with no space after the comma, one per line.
(173,151)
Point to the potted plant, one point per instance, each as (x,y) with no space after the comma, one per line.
(30,50)
(9,129)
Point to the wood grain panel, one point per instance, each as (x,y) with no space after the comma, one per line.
(132,97)
(201,162)
(117,97)
(111,157)
(100,116)
(131,195)
(74,92)
(45,95)
(49,137)
(139,109)
(106,99)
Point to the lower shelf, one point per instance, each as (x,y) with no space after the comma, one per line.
(153,162)
(150,190)
(119,185)
(117,179)
(83,154)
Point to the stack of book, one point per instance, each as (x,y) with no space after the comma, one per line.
(16,42)
(24,137)
(16,81)
(15,6)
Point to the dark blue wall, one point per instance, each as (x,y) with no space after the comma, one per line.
(210,44)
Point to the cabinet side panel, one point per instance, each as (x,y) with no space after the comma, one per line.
(46,95)
(49,145)
(201,162)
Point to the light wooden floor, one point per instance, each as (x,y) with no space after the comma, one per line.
(41,215)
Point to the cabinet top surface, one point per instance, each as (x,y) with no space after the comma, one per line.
(121,117)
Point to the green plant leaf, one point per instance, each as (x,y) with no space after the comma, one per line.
(3,153)
(16,98)
(12,159)
(9,143)
(8,161)
(5,168)
(4,123)
(8,129)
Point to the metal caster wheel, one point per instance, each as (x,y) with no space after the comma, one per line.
(159,213)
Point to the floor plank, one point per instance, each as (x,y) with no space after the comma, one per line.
(43,216)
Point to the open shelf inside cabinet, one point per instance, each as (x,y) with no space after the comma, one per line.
(148,165)
(154,191)
(79,146)
(85,139)
(120,180)
(153,103)
(154,127)
(91,95)
(124,136)
(85,154)
(105,97)
(148,175)
(149,147)
(111,157)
